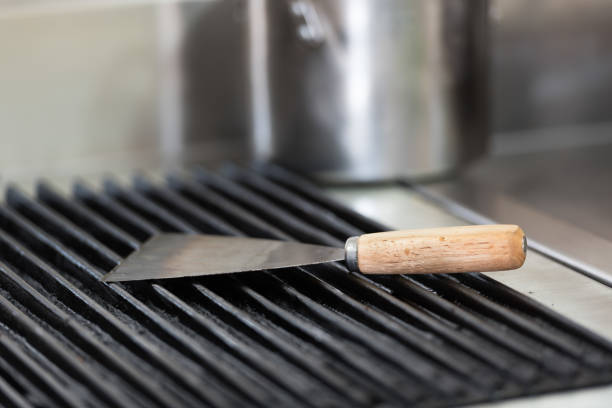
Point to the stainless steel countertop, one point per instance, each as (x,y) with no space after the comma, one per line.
(558,287)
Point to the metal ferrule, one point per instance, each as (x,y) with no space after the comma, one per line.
(350,254)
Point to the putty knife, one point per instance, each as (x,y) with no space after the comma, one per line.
(476,248)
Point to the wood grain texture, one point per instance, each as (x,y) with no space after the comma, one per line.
(475,248)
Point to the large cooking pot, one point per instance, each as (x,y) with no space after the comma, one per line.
(361,90)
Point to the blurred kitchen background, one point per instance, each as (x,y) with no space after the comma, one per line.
(96,81)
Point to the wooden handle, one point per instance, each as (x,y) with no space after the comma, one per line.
(476,248)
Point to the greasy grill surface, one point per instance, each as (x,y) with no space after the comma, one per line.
(315,336)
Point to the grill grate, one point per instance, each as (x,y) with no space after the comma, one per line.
(316,336)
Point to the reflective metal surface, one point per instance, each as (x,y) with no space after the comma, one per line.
(561,197)
(550,63)
(395,88)
(179,255)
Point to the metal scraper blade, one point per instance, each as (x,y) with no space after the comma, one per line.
(178,255)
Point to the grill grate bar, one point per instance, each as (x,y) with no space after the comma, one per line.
(263,361)
(38,383)
(64,323)
(351,353)
(383,346)
(266,209)
(63,358)
(406,311)
(60,227)
(299,353)
(287,199)
(79,301)
(194,215)
(117,240)
(225,209)
(310,192)
(114,213)
(426,343)
(135,201)
(84,275)
(10,397)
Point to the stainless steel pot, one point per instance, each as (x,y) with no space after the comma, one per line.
(365,90)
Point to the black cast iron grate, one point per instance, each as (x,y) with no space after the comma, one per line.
(316,336)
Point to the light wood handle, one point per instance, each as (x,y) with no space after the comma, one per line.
(475,248)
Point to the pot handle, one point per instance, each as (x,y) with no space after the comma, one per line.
(309,28)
